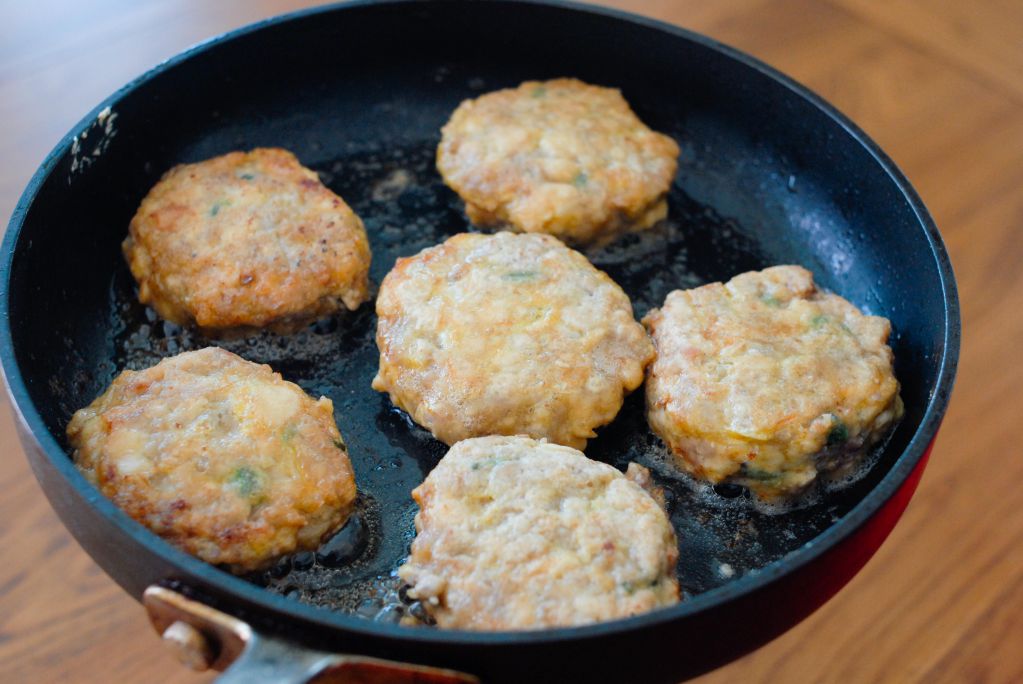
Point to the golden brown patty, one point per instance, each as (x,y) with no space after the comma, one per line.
(559,157)
(765,380)
(513,533)
(507,334)
(247,240)
(219,456)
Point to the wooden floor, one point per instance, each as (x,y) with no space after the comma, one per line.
(938,83)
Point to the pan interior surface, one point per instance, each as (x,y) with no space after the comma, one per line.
(766,177)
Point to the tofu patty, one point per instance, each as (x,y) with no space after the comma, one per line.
(247,240)
(559,157)
(514,533)
(765,381)
(219,456)
(507,334)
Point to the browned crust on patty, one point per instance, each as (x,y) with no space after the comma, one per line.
(247,240)
(507,334)
(514,533)
(767,381)
(219,456)
(561,157)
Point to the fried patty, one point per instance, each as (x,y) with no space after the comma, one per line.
(247,240)
(507,334)
(514,533)
(765,381)
(219,456)
(559,157)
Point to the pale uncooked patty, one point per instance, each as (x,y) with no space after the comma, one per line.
(218,455)
(765,380)
(507,334)
(559,157)
(514,533)
(247,240)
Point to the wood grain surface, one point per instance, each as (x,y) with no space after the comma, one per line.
(939,84)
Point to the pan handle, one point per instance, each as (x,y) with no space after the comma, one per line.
(205,638)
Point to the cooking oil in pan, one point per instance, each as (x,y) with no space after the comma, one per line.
(406,208)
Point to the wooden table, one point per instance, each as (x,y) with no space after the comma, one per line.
(939,84)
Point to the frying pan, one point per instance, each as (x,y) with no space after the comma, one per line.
(769,174)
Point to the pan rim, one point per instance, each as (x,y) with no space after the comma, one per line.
(237,590)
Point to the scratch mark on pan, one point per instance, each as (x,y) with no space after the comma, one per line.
(85,149)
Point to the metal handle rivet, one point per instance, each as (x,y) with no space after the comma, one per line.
(189,645)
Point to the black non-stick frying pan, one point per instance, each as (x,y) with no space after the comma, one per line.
(769,174)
